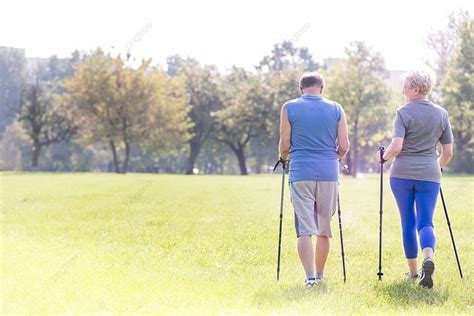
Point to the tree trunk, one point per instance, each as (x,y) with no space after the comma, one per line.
(114,153)
(258,162)
(194,152)
(35,154)
(239,152)
(127,157)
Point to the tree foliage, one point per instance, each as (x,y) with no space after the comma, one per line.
(12,78)
(358,86)
(46,116)
(202,98)
(440,45)
(122,106)
(243,114)
(458,96)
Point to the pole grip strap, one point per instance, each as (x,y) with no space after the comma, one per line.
(281,161)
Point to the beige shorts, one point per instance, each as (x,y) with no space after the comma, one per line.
(314,203)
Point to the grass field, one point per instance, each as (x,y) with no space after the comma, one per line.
(137,243)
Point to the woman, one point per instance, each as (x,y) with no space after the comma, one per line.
(415,174)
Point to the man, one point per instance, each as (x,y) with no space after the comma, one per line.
(313,132)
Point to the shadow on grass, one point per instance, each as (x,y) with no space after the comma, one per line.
(409,293)
(298,292)
(285,295)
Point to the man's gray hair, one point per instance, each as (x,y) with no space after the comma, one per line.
(311,79)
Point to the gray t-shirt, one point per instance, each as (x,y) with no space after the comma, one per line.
(422,124)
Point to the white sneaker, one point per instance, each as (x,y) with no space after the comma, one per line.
(312,283)
(309,283)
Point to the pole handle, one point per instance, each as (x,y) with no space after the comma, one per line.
(382,152)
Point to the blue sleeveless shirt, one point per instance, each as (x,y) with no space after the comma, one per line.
(313,151)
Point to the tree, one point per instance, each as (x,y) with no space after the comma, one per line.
(359,87)
(440,45)
(12,77)
(284,55)
(70,155)
(16,146)
(243,114)
(458,96)
(46,117)
(59,68)
(203,99)
(123,106)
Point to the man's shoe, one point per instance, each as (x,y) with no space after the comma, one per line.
(309,283)
(427,270)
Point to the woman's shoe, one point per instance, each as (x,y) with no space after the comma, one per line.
(411,277)
(427,270)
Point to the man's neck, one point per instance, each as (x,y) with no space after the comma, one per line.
(312,92)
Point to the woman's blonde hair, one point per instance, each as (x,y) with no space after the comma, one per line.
(419,79)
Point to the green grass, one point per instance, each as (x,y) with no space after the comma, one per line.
(170,244)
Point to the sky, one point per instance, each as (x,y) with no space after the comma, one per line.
(226,33)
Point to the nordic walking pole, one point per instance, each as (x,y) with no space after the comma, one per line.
(450,230)
(382,150)
(340,228)
(283,162)
(340,234)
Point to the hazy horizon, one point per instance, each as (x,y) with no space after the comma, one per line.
(226,34)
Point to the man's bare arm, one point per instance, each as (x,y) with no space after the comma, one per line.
(343,143)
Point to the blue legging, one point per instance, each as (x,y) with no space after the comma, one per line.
(424,194)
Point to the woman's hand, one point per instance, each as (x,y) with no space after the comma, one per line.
(378,156)
(446,155)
